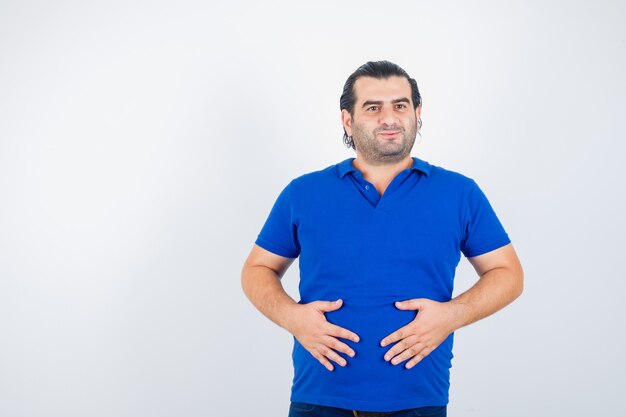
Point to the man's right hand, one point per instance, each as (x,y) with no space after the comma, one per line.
(308,324)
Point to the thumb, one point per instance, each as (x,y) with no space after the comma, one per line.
(414,304)
(327,306)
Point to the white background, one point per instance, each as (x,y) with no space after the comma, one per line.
(142,145)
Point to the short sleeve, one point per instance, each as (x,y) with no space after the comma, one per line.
(483,231)
(279,234)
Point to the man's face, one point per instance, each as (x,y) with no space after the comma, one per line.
(384,123)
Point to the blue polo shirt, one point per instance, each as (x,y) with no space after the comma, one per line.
(372,251)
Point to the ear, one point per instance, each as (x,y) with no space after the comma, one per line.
(346,120)
(418,113)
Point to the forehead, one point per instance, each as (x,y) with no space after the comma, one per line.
(368,88)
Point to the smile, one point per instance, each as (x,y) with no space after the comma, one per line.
(389,134)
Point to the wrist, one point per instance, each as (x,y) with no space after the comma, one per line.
(287,314)
(459,313)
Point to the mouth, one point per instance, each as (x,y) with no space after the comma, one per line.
(389,134)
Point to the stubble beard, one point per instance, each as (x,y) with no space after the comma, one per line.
(377,151)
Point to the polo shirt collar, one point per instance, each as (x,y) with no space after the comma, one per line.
(418,165)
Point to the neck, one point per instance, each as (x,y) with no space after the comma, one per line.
(381,173)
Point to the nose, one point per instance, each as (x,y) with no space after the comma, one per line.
(388,116)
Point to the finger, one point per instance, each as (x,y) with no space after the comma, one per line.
(338,346)
(418,357)
(409,353)
(327,306)
(414,304)
(401,346)
(332,355)
(399,334)
(334,330)
(317,355)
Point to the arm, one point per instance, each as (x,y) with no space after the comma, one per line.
(260,279)
(501,282)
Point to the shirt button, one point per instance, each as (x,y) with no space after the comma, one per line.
(367,187)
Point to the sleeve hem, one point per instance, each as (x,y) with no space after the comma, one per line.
(481,250)
(275,249)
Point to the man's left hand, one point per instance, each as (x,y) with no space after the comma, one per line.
(433,324)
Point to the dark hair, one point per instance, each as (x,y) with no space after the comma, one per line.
(379,70)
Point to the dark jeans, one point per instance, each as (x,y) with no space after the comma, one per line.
(313,410)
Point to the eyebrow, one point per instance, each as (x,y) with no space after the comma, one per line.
(378,103)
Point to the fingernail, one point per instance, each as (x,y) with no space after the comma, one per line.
(395,361)
(386,357)
(383,343)
(352,354)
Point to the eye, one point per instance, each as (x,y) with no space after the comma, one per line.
(372,108)
(401,106)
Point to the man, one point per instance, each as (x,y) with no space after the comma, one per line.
(379,237)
